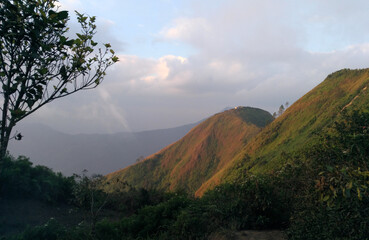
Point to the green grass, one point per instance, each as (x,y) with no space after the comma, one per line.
(303,121)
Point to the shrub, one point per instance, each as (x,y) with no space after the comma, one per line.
(252,204)
(19,179)
(339,206)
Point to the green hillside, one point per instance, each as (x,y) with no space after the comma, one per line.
(297,126)
(201,154)
(233,144)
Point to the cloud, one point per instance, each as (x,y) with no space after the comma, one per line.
(149,76)
(184,29)
(104,30)
(257,53)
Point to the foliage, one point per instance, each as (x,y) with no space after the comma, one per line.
(128,200)
(49,231)
(19,179)
(255,203)
(88,194)
(39,63)
(152,221)
(338,206)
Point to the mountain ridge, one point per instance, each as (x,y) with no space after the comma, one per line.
(298,125)
(201,153)
(265,151)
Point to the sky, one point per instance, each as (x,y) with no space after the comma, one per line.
(184,60)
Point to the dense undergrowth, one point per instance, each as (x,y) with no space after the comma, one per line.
(320,193)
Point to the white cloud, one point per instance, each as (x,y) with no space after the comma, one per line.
(186,29)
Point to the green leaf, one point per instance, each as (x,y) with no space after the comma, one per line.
(30,103)
(326,198)
(359,193)
(63,39)
(347,193)
(65,90)
(17,113)
(78,42)
(62,15)
(329,168)
(69,43)
(43,71)
(32,91)
(93,43)
(115,59)
(63,72)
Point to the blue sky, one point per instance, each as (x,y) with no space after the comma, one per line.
(182,61)
(328,25)
(137,24)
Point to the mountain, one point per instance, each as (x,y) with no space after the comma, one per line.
(204,152)
(297,126)
(226,146)
(98,153)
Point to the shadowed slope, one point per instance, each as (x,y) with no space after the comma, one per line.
(203,152)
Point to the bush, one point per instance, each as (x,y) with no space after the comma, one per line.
(151,221)
(339,195)
(51,230)
(19,179)
(254,204)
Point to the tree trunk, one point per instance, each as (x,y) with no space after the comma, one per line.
(4,139)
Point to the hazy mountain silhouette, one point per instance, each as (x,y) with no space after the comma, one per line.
(98,153)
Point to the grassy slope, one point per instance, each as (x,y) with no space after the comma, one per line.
(296,127)
(203,152)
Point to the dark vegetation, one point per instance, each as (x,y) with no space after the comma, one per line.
(19,179)
(320,193)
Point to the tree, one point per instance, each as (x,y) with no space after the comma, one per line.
(280,110)
(89,194)
(39,63)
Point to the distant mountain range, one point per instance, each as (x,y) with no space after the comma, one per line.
(97,153)
(239,142)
